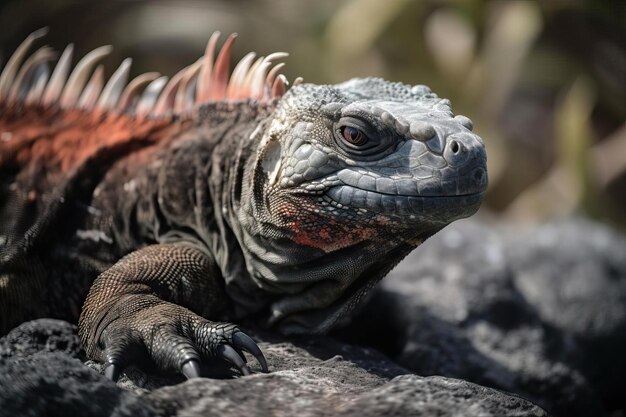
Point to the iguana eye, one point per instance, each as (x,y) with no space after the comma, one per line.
(353,135)
(357,138)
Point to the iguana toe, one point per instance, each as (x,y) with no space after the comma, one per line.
(175,339)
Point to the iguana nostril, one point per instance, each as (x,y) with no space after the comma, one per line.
(454,147)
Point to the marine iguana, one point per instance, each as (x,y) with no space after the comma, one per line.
(157,212)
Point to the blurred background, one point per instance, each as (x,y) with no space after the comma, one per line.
(544,82)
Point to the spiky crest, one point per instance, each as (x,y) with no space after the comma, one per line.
(28,80)
(54,119)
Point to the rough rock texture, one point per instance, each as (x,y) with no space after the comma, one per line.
(574,276)
(310,377)
(45,335)
(54,384)
(539,314)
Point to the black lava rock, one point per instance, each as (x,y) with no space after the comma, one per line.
(316,376)
(55,384)
(44,335)
(541,314)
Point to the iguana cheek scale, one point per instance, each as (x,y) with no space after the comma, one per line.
(157,211)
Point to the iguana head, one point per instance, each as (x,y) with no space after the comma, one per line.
(352,177)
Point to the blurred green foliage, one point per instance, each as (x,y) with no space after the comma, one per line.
(544,82)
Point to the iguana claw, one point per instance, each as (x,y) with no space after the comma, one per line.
(191,369)
(112,371)
(228,353)
(245,342)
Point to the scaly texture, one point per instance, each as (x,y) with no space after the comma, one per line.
(148,215)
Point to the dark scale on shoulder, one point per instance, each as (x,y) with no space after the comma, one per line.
(158,212)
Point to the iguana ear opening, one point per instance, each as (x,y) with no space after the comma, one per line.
(271,159)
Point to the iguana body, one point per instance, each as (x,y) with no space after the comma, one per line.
(158,218)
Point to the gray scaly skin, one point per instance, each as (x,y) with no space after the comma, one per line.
(285,213)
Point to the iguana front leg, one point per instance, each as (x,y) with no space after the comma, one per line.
(153,301)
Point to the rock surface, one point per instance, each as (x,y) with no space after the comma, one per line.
(541,314)
(474,313)
(310,377)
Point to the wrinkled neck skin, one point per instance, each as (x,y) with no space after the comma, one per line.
(309,286)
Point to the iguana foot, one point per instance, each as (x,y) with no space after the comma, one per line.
(151,304)
(174,338)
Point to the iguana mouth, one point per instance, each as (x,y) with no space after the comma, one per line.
(404,205)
